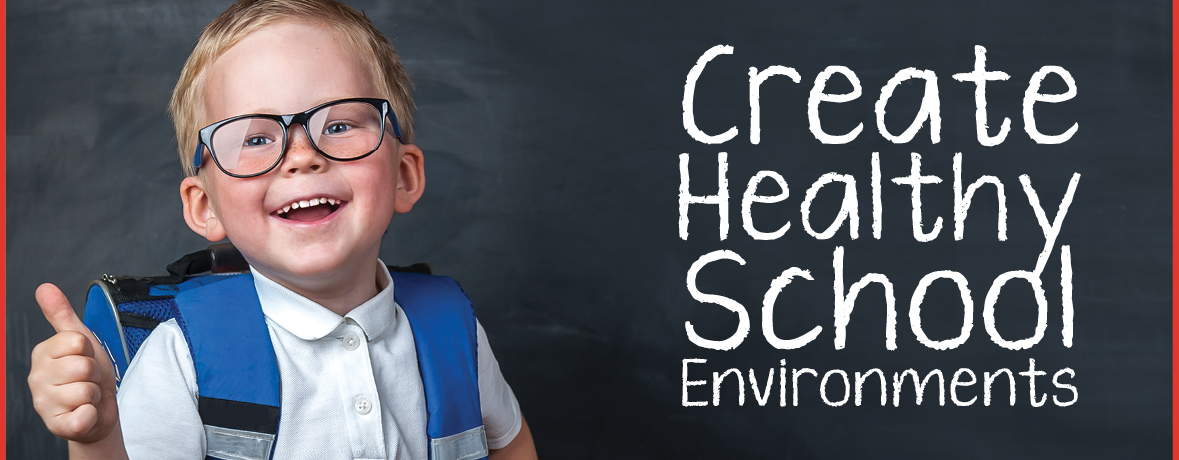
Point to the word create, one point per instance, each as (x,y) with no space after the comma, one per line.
(930,110)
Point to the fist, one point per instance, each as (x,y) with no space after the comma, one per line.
(71,378)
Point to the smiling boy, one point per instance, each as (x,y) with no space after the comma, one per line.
(299,116)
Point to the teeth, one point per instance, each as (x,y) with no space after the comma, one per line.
(309,203)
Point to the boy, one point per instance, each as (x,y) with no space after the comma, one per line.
(306,199)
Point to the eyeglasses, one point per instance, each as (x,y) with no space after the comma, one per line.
(252,145)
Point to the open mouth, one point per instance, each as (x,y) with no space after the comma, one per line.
(309,210)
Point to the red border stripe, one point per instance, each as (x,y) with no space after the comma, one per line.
(1174,233)
(4,214)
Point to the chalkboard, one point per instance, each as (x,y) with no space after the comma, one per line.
(556,149)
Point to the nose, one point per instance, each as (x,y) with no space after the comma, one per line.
(301,156)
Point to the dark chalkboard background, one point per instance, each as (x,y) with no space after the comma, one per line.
(552,132)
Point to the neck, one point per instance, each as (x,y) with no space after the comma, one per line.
(341,292)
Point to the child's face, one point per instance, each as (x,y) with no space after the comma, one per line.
(289,68)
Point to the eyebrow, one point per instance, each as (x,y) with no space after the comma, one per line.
(265,110)
(317,103)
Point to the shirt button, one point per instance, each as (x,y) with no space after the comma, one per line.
(362,405)
(350,341)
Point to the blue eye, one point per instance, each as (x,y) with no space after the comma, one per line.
(336,128)
(257,141)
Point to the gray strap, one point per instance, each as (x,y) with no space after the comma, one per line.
(231,444)
(462,446)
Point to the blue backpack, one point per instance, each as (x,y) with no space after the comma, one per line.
(211,295)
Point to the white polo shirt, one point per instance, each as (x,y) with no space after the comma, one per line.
(339,400)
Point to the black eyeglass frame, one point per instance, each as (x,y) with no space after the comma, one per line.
(206,133)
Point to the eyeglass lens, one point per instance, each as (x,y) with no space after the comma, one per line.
(343,131)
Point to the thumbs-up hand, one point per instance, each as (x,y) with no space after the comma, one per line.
(71,378)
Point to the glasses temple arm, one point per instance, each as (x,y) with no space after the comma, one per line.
(396,128)
(196,159)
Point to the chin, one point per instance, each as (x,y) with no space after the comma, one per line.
(315,267)
(295,265)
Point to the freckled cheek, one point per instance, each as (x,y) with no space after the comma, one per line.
(378,183)
(239,207)
(380,206)
(245,230)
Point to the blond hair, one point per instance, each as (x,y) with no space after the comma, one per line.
(248,16)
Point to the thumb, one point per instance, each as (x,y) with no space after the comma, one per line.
(57,309)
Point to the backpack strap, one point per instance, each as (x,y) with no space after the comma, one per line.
(236,369)
(443,324)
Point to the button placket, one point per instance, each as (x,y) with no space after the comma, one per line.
(358,391)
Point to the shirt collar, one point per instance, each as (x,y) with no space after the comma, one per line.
(308,320)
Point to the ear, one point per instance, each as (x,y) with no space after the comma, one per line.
(411,178)
(198,209)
